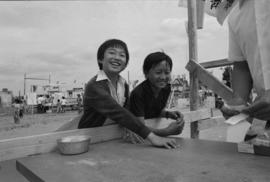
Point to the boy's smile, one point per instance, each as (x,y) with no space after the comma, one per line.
(114,60)
(160,75)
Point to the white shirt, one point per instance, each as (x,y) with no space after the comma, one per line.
(249,39)
(117,93)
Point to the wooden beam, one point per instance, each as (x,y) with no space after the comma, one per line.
(244,147)
(44,143)
(210,81)
(216,63)
(193,55)
(257,146)
(37,144)
(193,116)
(189,117)
(211,122)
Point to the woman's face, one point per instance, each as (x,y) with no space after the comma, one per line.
(159,75)
(114,60)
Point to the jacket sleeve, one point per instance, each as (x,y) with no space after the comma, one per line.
(99,99)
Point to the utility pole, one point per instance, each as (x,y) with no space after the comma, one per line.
(24,83)
(32,78)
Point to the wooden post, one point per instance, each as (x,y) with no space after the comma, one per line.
(192,36)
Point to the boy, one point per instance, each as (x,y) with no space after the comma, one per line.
(106,95)
(148,100)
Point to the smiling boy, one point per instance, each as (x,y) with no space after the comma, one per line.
(148,100)
(106,95)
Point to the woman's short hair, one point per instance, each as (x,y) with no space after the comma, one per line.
(155,58)
(111,43)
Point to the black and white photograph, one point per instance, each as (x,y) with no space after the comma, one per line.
(134,90)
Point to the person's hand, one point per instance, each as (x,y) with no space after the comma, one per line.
(176,115)
(228,112)
(260,108)
(175,128)
(158,141)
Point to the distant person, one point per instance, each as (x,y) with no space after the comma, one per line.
(106,95)
(39,104)
(79,103)
(63,104)
(18,110)
(148,100)
(58,106)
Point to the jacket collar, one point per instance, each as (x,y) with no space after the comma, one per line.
(101,75)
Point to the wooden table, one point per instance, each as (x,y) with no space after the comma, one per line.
(194,161)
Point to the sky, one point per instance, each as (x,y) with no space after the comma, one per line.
(59,39)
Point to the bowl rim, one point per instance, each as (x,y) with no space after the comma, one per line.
(82,137)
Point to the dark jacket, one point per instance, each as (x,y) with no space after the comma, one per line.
(100,105)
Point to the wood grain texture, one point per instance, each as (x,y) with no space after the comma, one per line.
(195,160)
(216,63)
(44,143)
(193,55)
(210,81)
(37,144)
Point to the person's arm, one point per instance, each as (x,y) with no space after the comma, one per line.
(241,86)
(97,97)
(161,141)
(174,128)
(241,82)
(261,107)
(176,115)
(136,106)
(102,102)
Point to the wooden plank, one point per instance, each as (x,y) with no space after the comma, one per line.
(194,160)
(31,145)
(37,144)
(261,142)
(216,63)
(210,81)
(245,148)
(193,116)
(97,133)
(193,55)
(71,125)
(211,122)
(256,146)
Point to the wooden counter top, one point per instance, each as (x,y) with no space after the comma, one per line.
(194,161)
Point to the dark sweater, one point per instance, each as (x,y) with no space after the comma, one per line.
(143,103)
(99,105)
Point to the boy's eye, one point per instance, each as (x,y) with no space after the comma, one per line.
(111,52)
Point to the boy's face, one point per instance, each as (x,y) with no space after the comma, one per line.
(114,60)
(159,75)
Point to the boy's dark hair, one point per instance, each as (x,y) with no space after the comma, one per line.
(155,58)
(111,43)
